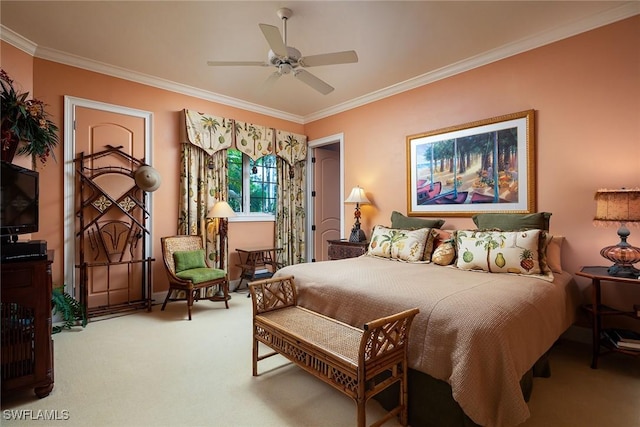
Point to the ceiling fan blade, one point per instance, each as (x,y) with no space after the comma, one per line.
(272,34)
(313,81)
(268,84)
(237,63)
(346,57)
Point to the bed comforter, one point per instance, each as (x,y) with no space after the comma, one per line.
(479,332)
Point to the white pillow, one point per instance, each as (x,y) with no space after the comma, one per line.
(396,243)
(499,251)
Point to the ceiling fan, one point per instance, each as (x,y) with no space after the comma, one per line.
(289,60)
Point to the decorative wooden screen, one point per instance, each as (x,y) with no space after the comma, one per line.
(114,274)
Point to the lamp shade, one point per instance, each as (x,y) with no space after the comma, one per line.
(357,196)
(618,206)
(221,210)
(147,178)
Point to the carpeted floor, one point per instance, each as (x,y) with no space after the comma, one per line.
(158,369)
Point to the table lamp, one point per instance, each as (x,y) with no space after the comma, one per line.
(358,197)
(623,207)
(221,211)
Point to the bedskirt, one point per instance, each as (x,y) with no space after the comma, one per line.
(431,400)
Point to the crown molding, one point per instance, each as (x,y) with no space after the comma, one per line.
(53,55)
(622,12)
(122,73)
(625,11)
(18,41)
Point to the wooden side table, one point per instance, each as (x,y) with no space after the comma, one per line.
(254,259)
(341,249)
(599,310)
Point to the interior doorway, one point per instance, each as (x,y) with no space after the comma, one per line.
(325,216)
(120,126)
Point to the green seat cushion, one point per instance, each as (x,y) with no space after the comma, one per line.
(187,260)
(512,222)
(399,220)
(199,275)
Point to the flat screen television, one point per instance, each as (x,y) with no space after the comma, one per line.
(18,201)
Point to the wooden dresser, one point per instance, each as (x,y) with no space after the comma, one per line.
(26,344)
(341,249)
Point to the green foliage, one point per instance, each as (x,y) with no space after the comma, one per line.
(69,308)
(25,120)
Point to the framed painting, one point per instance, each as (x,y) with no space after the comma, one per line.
(484,166)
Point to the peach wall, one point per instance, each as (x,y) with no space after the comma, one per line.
(586,93)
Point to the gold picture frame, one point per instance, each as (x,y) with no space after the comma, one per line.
(477,167)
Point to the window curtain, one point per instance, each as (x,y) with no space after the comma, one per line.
(290,235)
(203,179)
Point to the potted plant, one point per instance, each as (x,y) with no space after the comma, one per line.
(68,308)
(26,128)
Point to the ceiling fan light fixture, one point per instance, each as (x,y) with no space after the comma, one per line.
(287,59)
(285,69)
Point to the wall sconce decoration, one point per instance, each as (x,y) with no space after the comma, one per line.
(221,211)
(620,206)
(358,197)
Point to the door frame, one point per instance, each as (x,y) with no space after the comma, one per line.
(316,143)
(70,105)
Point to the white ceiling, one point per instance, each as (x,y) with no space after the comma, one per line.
(400,45)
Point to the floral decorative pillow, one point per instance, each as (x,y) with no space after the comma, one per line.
(396,243)
(500,251)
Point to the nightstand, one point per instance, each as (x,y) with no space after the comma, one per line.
(599,310)
(341,249)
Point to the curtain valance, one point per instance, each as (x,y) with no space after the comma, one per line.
(253,140)
(212,133)
(291,147)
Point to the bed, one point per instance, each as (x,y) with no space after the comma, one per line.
(478,333)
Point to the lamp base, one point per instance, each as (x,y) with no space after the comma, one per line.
(357,235)
(628,271)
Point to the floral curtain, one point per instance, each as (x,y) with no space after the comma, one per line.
(203,180)
(291,147)
(253,140)
(291,214)
(210,133)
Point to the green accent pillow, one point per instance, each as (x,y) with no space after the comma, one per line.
(199,275)
(401,221)
(512,222)
(186,260)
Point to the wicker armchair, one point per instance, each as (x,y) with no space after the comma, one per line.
(190,278)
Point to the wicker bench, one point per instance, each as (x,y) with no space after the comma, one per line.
(359,363)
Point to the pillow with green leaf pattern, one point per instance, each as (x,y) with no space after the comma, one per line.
(501,251)
(399,244)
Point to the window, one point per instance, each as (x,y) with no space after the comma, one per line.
(252,183)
